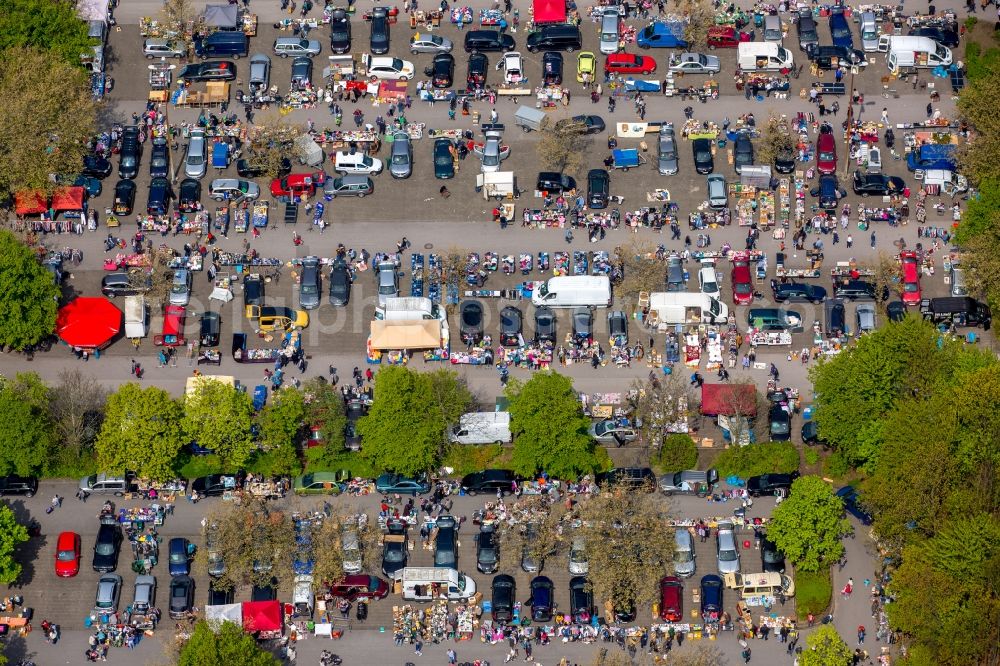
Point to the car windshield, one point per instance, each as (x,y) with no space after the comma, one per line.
(714,307)
(397,64)
(309,288)
(703,155)
(178,558)
(395,553)
(710,287)
(911,287)
(106,548)
(772,556)
(243,186)
(827,156)
(742,288)
(683,556)
(727,555)
(66,555)
(443,158)
(400,158)
(602,428)
(104,599)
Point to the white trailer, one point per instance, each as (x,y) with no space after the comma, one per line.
(136,317)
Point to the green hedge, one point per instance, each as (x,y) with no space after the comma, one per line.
(678,452)
(754,459)
(813,592)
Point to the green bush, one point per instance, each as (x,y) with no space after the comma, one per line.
(468,458)
(316,461)
(754,459)
(813,592)
(836,465)
(811,456)
(71,464)
(192,467)
(678,452)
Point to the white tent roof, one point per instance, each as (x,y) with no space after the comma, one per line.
(221,16)
(216,615)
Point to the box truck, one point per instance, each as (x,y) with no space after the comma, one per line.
(432,583)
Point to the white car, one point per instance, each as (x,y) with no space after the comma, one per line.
(708,280)
(391,68)
(232,188)
(513,68)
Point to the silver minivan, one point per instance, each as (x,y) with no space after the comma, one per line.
(727,552)
(869,32)
(684,554)
(772,29)
(401,156)
(260,72)
(196,162)
(610,31)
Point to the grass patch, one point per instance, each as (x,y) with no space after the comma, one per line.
(468,458)
(754,459)
(813,592)
(811,456)
(357,466)
(70,464)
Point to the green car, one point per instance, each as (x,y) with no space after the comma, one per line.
(444,162)
(317,483)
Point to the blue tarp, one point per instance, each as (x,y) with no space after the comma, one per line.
(220,155)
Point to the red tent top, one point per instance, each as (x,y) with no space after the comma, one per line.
(261,616)
(88,323)
(728,400)
(30,202)
(68,198)
(549,11)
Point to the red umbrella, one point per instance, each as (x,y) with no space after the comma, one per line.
(88,323)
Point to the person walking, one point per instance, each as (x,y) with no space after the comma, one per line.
(452,658)
(861,634)
(418,647)
(873,239)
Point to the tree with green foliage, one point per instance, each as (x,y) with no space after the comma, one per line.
(12,533)
(229,645)
(48,25)
(808,525)
(825,647)
(219,416)
(141,432)
(762,458)
(24,405)
(977,105)
(549,427)
(281,425)
(678,452)
(450,396)
(255,540)
(405,430)
(42,133)
(28,295)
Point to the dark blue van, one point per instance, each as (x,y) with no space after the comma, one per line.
(219,44)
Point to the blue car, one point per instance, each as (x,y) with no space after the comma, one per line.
(541,602)
(90,184)
(711,598)
(397,483)
(662,35)
(840,30)
(849,495)
(828,191)
(179,555)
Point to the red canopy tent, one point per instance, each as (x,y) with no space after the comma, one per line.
(549,11)
(30,202)
(67,199)
(88,323)
(262,616)
(728,400)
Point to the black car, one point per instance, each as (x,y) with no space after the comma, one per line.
(159,158)
(511,323)
(210,70)
(583,324)
(214,485)
(189,195)
(18,485)
(784,160)
(130,154)
(594,124)
(771,559)
(122,284)
(96,166)
(355,410)
(488,40)
(253,290)
(340,284)
(107,547)
(877,184)
(780,424)
(944,36)
(836,318)
(504,596)
(832,57)
(552,68)
(124,197)
(808,35)
(598,188)
(160,194)
(380,30)
(489,481)
(181,596)
(554,182)
(703,161)
(471,321)
(246,167)
(446,542)
(394,549)
(632,477)
(542,600)
(442,70)
(475,76)
(545,324)
(829,191)
(896,311)
(340,31)
(302,68)
(810,435)
(487,549)
(742,151)
(211,326)
(852,290)
(581,600)
(797,291)
(267,592)
(770,484)
(849,496)
(217,597)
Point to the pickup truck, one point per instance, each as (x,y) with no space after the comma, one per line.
(297,186)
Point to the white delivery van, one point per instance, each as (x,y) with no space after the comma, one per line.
(431,583)
(571,291)
(913,52)
(685,307)
(303,597)
(497,185)
(482,428)
(136,320)
(409,308)
(763,57)
(869,32)
(356,162)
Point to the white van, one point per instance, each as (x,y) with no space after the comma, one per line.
(763,57)
(610,30)
(905,51)
(431,583)
(685,307)
(482,428)
(869,32)
(409,308)
(760,584)
(572,291)
(360,163)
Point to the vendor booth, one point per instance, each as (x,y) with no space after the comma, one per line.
(548,11)
(393,341)
(88,323)
(216,615)
(30,203)
(71,201)
(221,17)
(262,618)
(728,400)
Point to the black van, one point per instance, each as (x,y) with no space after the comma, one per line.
(853,289)
(556,38)
(477,41)
(832,57)
(958,310)
(130,154)
(233,44)
(160,194)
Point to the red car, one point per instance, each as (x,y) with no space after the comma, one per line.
(911,278)
(297,185)
(173,327)
(629,63)
(725,37)
(671,599)
(742,283)
(68,554)
(360,586)
(826,151)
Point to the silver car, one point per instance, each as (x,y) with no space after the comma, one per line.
(401,157)
(196,161)
(425,42)
(163,48)
(610,431)
(666,153)
(695,63)
(388,282)
(685,562)
(293,46)
(717,195)
(260,72)
(578,563)
(865,315)
(309,286)
(727,552)
(109,591)
(233,188)
(216,563)
(180,287)
(144,594)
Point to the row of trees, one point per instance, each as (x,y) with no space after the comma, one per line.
(915,412)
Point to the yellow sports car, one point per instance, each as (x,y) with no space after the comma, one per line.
(586,63)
